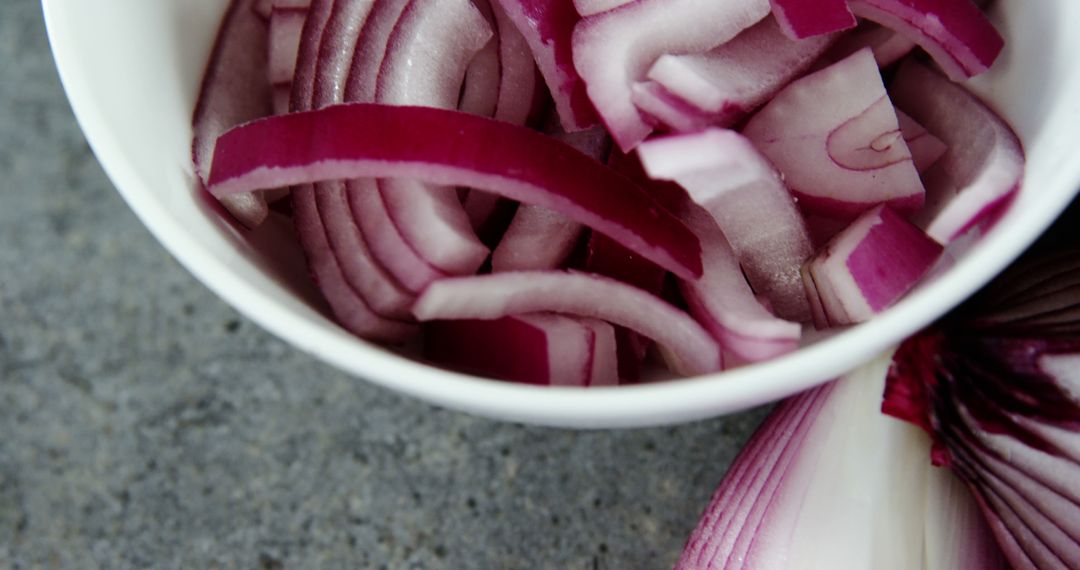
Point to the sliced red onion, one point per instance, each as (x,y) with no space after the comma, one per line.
(332,242)
(731,80)
(539,349)
(431,218)
(547,26)
(807,489)
(888,46)
(614,49)
(725,174)
(801,19)
(234,90)
(872,263)
(384,240)
(956,33)
(590,7)
(835,137)
(984,165)
(480,96)
(457,149)
(518,82)
(286,25)
(724,303)
(686,346)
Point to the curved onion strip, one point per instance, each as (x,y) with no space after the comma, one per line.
(984,164)
(734,78)
(480,96)
(725,174)
(234,90)
(956,33)
(518,82)
(383,238)
(614,49)
(547,26)
(425,64)
(452,148)
(286,26)
(688,348)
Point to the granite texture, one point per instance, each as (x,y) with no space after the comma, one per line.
(147,425)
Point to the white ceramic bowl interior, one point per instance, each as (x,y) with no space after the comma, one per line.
(132,68)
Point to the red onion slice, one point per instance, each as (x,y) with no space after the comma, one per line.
(724,303)
(725,174)
(872,263)
(547,26)
(539,349)
(430,218)
(956,33)
(984,165)
(234,90)
(835,137)
(687,347)
(518,82)
(452,148)
(605,361)
(262,8)
(614,49)
(801,19)
(925,148)
(731,80)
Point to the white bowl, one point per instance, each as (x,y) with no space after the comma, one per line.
(132,67)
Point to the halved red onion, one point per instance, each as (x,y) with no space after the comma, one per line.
(614,49)
(806,489)
(590,7)
(888,46)
(286,25)
(425,64)
(956,33)
(801,19)
(835,137)
(452,148)
(687,347)
(725,174)
(984,165)
(547,26)
(234,90)
(542,348)
(734,78)
(872,263)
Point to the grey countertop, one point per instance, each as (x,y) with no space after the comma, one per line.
(145,424)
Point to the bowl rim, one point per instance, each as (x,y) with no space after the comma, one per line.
(636,405)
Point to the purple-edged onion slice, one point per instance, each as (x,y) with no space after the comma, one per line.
(835,137)
(451,148)
(686,346)
(801,19)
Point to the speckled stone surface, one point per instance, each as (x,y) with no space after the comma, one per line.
(147,425)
